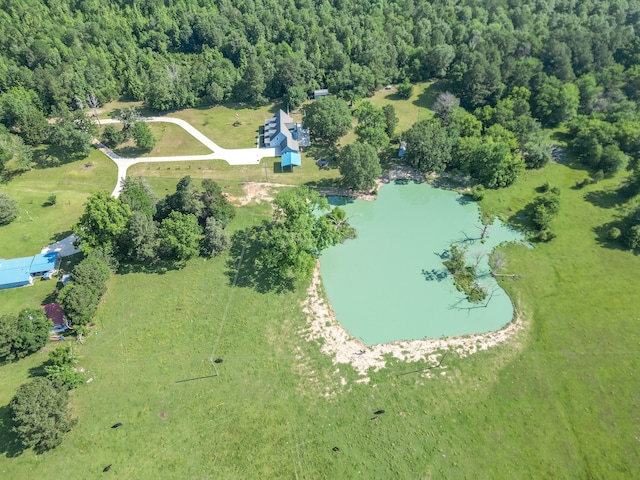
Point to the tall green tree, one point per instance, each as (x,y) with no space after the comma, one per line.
(102,223)
(23,334)
(137,193)
(9,210)
(180,235)
(555,102)
(359,166)
(79,302)
(328,119)
(390,119)
(40,414)
(372,125)
(215,239)
(140,240)
(428,146)
(143,136)
(302,226)
(93,273)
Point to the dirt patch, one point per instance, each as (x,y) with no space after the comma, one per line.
(163,415)
(255,192)
(335,341)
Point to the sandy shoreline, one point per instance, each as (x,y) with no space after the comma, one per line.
(336,342)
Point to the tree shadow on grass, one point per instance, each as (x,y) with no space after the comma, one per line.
(605,198)
(67,263)
(10,446)
(428,95)
(522,219)
(56,237)
(603,239)
(38,371)
(9,174)
(243,268)
(159,267)
(130,152)
(50,156)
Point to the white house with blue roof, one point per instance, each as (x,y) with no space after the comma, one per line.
(284,134)
(20,272)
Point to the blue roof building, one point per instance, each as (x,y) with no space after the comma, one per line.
(290,159)
(43,263)
(403,149)
(19,272)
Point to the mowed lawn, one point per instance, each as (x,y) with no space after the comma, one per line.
(408,111)
(171,140)
(40,224)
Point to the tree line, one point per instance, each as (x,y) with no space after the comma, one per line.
(186,53)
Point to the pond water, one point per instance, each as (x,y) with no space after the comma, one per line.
(390,284)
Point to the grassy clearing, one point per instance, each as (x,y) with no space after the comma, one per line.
(38,224)
(170,140)
(408,111)
(231,178)
(217,122)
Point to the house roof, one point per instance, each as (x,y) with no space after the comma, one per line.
(291,158)
(54,312)
(281,123)
(43,262)
(18,271)
(15,272)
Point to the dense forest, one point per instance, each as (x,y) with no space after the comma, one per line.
(183,53)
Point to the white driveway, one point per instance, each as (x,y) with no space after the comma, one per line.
(233,156)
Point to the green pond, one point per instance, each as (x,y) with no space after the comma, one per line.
(390,284)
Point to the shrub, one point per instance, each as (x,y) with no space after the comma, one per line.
(61,369)
(111,136)
(544,235)
(405,89)
(477,192)
(614,233)
(8,209)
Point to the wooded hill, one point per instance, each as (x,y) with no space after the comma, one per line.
(185,53)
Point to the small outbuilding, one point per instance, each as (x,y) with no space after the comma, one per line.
(402,151)
(290,159)
(323,92)
(54,312)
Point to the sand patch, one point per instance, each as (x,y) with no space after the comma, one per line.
(255,192)
(336,342)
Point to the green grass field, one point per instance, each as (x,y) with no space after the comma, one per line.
(558,401)
(38,224)
(170,140)
(408,111)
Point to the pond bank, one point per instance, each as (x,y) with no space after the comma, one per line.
(335,341)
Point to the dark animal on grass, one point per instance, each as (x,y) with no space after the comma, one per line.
(335,449)
(218,360)
(374,418)
(107,468)
(378,412)
(116,425)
